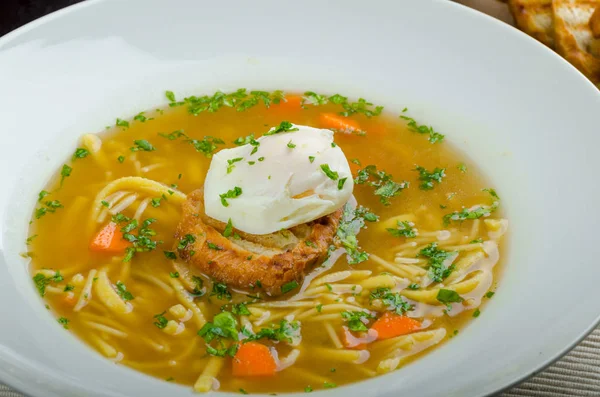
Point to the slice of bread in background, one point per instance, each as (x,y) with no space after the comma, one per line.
(534,17)
(573,36)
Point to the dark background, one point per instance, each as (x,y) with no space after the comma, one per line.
(14,13)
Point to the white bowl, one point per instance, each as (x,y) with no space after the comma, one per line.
(528,118)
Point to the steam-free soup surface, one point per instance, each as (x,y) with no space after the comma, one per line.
(435,265)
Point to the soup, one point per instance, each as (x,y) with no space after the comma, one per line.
(124,253)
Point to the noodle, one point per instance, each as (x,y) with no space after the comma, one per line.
(86,292)
(206,379)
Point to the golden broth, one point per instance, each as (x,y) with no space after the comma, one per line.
(62,240)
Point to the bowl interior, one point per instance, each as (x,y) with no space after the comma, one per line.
(522,114)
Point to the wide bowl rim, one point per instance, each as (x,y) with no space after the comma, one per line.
(8,38)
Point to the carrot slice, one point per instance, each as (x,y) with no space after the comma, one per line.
(70,299)
(110,240)
(253,359)
(291,103)
(338,123)
(391,325)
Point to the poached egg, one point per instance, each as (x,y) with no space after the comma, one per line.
(278,181)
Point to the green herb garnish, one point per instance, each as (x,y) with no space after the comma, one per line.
(428,178)
(233,193)
(122,291)
(437,269)
(357,320)
(403,229)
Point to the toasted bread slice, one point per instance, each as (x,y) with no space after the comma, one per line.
(240,260)
(534,17)
(595,23)
(573,35)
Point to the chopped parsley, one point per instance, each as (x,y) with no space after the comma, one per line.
(489,294)
(120,159)
(243,391)
(198,290)
(309,243)
(155,202)
(233,193)
(476,241)
(393,301)
(64,322)
(228,229)
(313,98)
(170,255)
(428,178)
(50,207)
(170,96)
(319,308)
(185,241)
(357,321)
(287,287)
(286,332)
(329,385)
(384,185)
(207,145)
(240,309)
(143,241)
(414,286)
(362,106)
(42,194)
(261,159)
(221,291)
(174,274)
(330,174)
(284,126)
(30,239)
(341,183)
(413,126)
(80,153)
(476,212)
(122,291)
(308,389)
(41,281)
(141,117)
(462,167)
(161,321)
(105,203)
(143,145)
(350,224)
(173,135)
(436,256)
(403,229)
(223,326)
(448,296)
(240,100)
(213,246)
(65,172)
(231,163)
(122,123)
(311,159)
(476,313)
(291,145)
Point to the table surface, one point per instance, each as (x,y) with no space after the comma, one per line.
(576,374)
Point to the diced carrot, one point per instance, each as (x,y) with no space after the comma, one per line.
(253,359)
(70,299)
(391,325)
(109,239)
(292,103)
(338,123)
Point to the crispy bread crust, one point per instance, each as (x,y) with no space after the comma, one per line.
(236,265)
